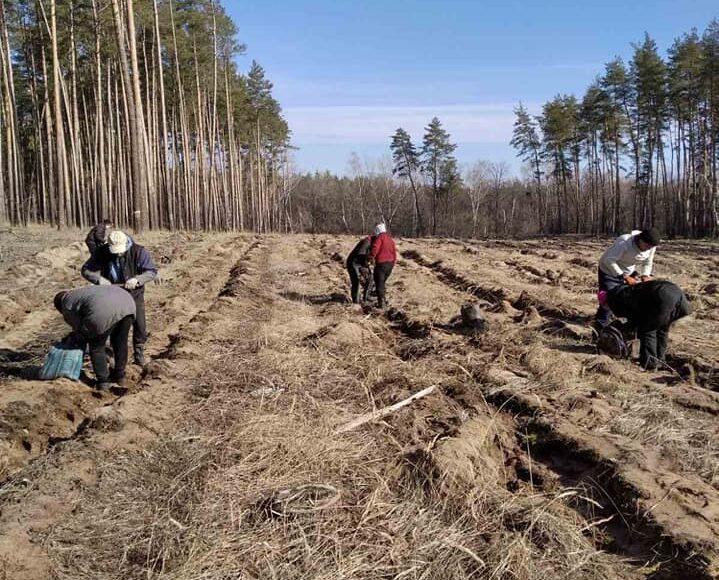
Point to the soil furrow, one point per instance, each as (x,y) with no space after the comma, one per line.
(646,518)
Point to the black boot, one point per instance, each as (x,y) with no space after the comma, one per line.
(139,354)
(118,379)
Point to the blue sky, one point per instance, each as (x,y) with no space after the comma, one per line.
(348,73)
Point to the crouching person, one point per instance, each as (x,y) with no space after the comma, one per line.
(97,313)
(650,308)
(358,269)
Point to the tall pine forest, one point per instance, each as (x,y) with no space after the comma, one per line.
(135,110)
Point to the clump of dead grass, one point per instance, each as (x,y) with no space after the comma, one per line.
(139,521)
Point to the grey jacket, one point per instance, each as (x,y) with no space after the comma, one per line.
(94,310)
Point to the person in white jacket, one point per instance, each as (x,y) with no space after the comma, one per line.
(629,260)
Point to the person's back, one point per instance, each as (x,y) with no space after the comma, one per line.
(99,314)
(384,254)
(649,305)
(384,249)
(650,308)
(360,253)
(95,309)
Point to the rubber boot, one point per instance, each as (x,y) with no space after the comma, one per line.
(139,354)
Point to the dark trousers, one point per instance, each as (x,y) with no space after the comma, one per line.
(139,327)
(381,274)
(118,336)
(357,280)
(653,347)
(607,283)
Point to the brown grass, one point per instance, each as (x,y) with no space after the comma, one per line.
(203,505)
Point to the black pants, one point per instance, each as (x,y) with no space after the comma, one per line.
(356,280)
(118,335)
(653,347)
(381,274)
(139,327)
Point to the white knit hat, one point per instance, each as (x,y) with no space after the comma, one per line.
(380,228)
(118,242)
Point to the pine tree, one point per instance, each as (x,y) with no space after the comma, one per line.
(527,142)
(406,165)
(437,164)
(649,79)
(559,125)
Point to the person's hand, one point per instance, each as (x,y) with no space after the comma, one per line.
(132,283)
(364,275)
(158,280)
(104,282)
(631,280)
(647,278)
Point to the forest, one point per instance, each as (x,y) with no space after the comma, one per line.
(136,110)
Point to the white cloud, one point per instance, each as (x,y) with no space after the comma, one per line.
(471,123)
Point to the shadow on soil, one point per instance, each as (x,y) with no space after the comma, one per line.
(576,348)
(333,298)
(20,364)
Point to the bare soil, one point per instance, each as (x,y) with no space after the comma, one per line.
(533,458)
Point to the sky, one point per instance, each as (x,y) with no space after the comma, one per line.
(348,73)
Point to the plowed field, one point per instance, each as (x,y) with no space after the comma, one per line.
(229,455)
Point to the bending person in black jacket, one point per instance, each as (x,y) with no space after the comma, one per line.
(650,308)
(123,262)
(358,269)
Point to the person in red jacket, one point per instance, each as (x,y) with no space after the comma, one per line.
(384,255)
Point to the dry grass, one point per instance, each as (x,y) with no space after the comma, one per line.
(685,438)
(203,506)
(253,482)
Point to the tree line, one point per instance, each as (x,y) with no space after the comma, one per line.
(417,190)
(135,110)
(638,149)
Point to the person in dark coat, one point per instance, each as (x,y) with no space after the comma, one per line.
(97,313)
(358,269)
(98,236)
(384,255)
(651,308)
(123,262)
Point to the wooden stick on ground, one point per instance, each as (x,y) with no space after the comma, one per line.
(380,413)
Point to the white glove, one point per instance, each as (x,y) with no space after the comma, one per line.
(104,282)
(132,283)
